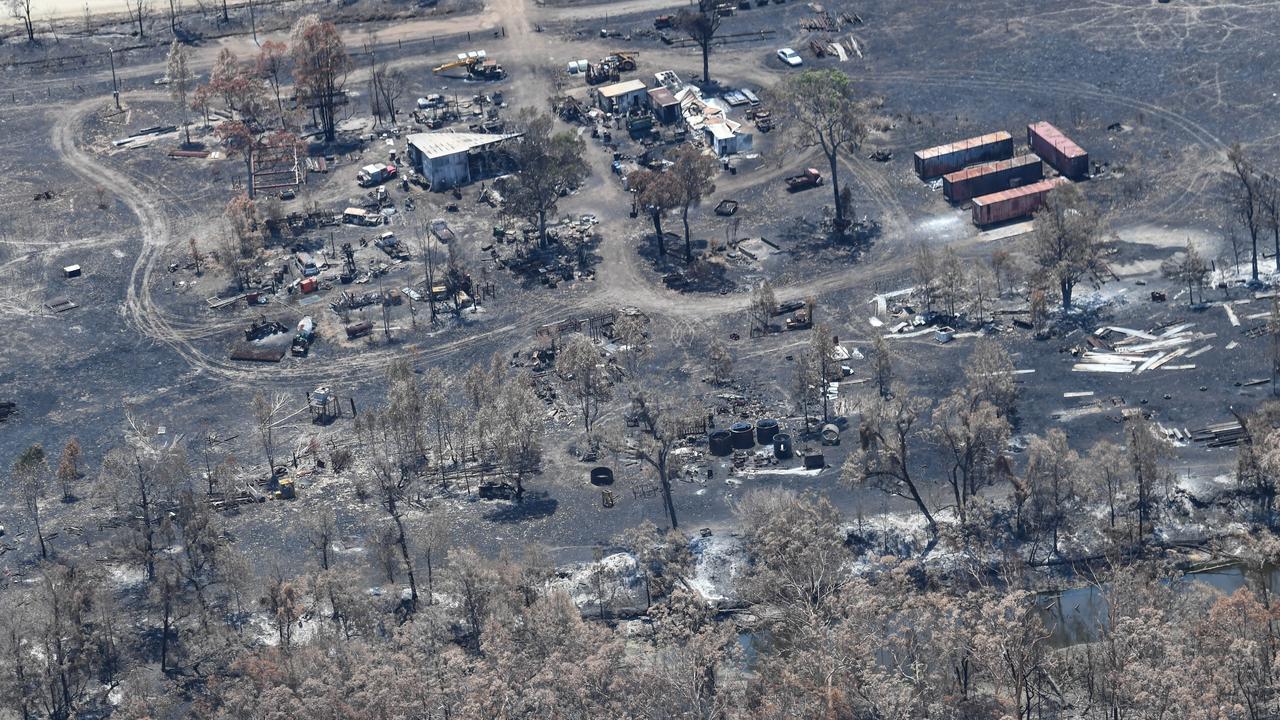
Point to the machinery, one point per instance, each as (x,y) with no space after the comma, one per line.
(477,65)
(348,263)
(305,336)
(624,61)
(607,69)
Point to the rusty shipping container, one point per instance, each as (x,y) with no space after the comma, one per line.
(1058,150)
(1010,204)
(971,182)
(943,159)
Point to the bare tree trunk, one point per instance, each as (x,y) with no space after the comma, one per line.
(403,542)
(832,158)
(688,247)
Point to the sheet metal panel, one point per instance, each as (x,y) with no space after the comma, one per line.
(940,160)
(993,177)
(1009,204)
(1060,151)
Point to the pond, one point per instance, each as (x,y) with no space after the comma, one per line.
(1074,616)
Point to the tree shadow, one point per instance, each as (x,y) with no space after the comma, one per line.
(535,506)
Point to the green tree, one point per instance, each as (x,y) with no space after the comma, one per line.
(824,110)
(320,68)
(550,165)
(1068,239)
(692,175)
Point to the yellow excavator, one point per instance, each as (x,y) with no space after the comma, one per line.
(477,65)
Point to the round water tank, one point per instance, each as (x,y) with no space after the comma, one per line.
(830,434)
(814,462)
(765,430)
(782,446)
(743,437)
(721,444)
(601,476)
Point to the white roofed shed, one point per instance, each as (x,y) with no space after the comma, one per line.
(446,159)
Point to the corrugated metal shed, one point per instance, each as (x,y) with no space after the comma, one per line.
(443,144)
(622,88)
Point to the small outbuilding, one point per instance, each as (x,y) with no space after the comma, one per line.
(665,106)
(448,159)
(623,97)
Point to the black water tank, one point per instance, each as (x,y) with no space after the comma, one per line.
(814,462)
(743,437)
(721,444)
(601,476)
(765,430)
(782,446)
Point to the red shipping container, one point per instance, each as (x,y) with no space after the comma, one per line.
(1015,203)
(1058,150)
(308,285)
(943,159)
(978,180)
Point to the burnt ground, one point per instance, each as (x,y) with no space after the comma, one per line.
(1182,80)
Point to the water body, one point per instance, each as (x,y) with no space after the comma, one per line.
(1075,616)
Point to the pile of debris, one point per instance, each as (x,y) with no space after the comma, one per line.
(1123,350)
(1227,434)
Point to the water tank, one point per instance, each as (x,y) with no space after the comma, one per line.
(782,446)
(815,461)
(721,443)
(601,476)
(765,430)
(830,434)
(743,435)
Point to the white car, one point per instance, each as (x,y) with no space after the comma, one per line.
(790,57)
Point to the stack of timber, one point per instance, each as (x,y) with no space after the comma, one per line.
(1137,351)
(1226,434)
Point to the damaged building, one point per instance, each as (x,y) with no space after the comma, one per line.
(448,159)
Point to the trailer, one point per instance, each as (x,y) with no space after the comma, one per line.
(1062,154)
(944,159)
(1015,203)
(988,178)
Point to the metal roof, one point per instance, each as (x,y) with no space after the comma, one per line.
(989,139)
(663,97)
(991,167)
(1032,189)
(1054,137)
(720,131)
(622,88)
(444,144)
